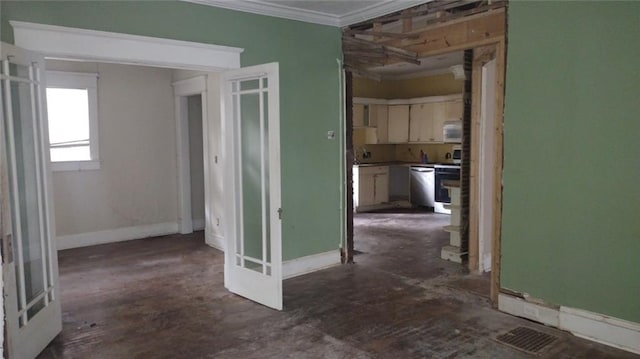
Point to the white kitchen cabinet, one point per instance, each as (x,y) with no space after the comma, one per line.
(439,118)
(426,122)
(454,110)
(358,115)
(379,118)
(398,131)
(421,122)
(371,186)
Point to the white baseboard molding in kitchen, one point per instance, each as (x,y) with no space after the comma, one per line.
(600,328)
(115,235)
(315,262)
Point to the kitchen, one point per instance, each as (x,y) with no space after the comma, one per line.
(407,135)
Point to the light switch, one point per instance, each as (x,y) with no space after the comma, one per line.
(331,135)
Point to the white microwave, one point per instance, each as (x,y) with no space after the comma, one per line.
(452,131)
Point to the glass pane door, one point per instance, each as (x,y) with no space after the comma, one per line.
(252,128)
(30,269)
(253,260)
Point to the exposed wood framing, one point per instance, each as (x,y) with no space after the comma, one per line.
(499,127)
(351,44)
(407,21)
(380,33)
(469,32)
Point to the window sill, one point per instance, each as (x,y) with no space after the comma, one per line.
(75,166)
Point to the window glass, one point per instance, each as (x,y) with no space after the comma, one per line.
(68,112)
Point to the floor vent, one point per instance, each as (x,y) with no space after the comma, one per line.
(527,340)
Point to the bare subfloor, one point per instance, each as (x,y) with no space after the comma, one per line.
(164,298)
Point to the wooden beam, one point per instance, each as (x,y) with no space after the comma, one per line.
(407,21)
(498,165)
(377,28)
(351,44)
(363,61)
(467,33)
(379,34)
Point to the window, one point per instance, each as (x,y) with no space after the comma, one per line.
(72,109)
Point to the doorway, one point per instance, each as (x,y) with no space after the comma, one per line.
(400,39)
(85,44)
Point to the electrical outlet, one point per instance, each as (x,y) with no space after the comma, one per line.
(531,311)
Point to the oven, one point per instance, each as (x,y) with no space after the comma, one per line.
(443,173)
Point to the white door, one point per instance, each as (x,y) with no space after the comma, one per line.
(30,265)
(251,136)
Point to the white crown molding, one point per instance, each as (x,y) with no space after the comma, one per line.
(373,11)
(93,45)
(315,17)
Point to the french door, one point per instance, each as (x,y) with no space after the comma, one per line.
(29,257)
(251,128)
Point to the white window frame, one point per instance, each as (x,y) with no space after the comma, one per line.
(80,80)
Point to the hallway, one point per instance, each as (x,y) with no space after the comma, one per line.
(164,297)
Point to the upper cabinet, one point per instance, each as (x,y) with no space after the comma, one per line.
(418,120)
(358,115)
(398,129)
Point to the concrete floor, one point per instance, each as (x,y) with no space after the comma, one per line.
(164,298)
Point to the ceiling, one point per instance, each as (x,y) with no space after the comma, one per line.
(428,65)
(337,13)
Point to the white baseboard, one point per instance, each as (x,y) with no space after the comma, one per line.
(115,235)
(315,262)
(198,224)
(214,240)
(600,328)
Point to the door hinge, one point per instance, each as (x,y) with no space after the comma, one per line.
(280,213)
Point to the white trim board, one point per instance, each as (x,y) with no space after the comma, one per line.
(600,328)
(308,264)
(214,240)
(81,44)
(115,235)
(261,7)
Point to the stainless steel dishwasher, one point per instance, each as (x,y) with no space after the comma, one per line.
(422,187)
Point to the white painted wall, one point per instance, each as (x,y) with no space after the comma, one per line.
(196,160)
(136,184)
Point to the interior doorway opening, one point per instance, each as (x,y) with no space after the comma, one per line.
(419,130)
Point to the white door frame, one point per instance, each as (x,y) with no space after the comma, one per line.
(181,90)
(486,163)
(103,46)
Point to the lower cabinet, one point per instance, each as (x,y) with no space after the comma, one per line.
(370,186)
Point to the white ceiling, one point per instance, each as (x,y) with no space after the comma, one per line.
(334,13)
(428,66)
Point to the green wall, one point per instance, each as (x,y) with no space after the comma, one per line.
(309,85)
(571,215)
